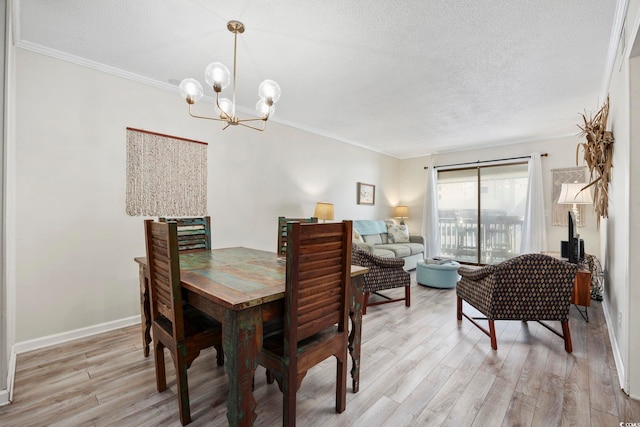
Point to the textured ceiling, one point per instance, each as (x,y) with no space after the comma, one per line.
(404,78)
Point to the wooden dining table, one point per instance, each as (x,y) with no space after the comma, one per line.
(242,288)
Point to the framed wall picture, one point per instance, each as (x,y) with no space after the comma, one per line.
(366,194)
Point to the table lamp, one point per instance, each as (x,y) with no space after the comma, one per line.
(570,194)
(324,211)
(401,212)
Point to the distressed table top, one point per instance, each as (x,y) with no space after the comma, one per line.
(236,278)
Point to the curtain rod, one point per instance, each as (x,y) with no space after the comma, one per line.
(477,162)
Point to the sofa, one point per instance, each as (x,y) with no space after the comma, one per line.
(389,240)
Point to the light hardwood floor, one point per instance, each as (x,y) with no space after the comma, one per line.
(420,367)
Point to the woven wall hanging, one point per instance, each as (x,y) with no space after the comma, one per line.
(166,175)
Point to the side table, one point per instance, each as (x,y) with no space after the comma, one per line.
(582,292)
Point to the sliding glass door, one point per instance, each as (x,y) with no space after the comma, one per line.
(481,210)
(458,214)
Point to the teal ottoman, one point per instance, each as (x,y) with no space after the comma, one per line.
(438,275)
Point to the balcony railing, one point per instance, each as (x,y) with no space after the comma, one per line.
(500,237)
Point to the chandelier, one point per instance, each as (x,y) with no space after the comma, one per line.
(218,77)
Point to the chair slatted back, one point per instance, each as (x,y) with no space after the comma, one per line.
(318,279)
(282,231)
(164,274)
(194,234)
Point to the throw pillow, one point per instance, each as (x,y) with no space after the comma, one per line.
(398,233)
(357,238)
(372,239)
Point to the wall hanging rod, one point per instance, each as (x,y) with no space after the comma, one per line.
(479,162)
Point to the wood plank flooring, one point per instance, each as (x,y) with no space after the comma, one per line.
(420,366)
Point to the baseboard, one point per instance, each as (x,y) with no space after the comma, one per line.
(38,343)
(617,357)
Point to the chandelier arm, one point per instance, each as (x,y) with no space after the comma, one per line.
(254,127)
(205,117)
(251,120)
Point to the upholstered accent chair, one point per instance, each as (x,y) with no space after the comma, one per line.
(528,287)
(384,273)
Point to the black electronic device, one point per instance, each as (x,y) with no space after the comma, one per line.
(573,248)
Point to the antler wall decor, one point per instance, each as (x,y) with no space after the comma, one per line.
(598,153)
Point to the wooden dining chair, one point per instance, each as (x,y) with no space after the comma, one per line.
(282,231)
(194,234)
(177,326)
(314,327)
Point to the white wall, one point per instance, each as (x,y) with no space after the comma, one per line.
(562,154)
(622,296)
(75,244)
(617,279)
(4,61)
(253,180)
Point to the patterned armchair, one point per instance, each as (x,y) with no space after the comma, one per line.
(384,273)
(528,287)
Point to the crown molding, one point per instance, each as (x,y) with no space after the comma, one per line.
(614,45)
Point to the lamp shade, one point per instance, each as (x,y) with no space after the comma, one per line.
(324,211)
(570,194)
(401,212)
